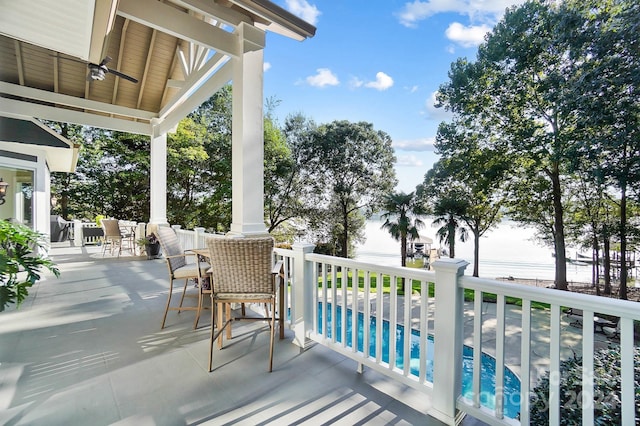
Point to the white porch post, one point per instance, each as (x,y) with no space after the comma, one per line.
(302,294)
(248,136)
(447,344)
(158,177)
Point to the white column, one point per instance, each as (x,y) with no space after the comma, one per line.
(447,343)
(158,177)
(248,136)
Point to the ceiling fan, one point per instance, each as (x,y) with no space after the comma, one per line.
(98,71)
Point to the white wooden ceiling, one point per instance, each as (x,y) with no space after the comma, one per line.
(178,50)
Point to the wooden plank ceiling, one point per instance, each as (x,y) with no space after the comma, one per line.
(161,59)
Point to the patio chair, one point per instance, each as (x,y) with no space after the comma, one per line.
(179,268)
(243,271)
(128,232)
(112,236)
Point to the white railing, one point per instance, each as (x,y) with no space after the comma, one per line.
(528,338)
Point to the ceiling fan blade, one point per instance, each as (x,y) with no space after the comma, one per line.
(122,75)
(105,61)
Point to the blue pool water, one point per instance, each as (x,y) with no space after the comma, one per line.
(488,363)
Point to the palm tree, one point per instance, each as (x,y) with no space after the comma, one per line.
(402,214)
(448,210)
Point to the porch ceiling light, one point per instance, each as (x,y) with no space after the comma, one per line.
(3,191)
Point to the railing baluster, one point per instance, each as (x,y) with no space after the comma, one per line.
(500,328)
(407,326)
(554,381)
(344,304)
(424,330)
(325,299)
(366,326)
(477,346)
(525,356)
(587,369)
(393,319)
(627,369)
(354,310)
(379,317)
(334,303)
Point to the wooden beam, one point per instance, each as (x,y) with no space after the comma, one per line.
(74,102)
(212,10)
(56,75)
(19,62)
(174,62)
(171,21)
(30,110)
(147,64)
(195,99)
(195,80)
(123,38)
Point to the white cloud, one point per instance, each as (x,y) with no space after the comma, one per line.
(382,82)
(439,114)
(355,82)
(266,66)
(423,144)
(465,36)
(408,161)
(324,77)
(304,10)
(476,10)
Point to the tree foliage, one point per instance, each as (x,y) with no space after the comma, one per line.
(352,170)
(468,185)
(555,89)
(402,214)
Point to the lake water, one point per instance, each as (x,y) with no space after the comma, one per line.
(508,250)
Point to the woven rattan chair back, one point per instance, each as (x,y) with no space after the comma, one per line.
(171,247)
(242,271)
(179,268)
(112,235)
(242,265)
(111,228)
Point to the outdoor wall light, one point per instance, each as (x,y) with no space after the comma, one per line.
(3,191)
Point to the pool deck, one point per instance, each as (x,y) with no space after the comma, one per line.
(87,349)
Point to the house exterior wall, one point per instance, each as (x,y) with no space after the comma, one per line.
(12,161)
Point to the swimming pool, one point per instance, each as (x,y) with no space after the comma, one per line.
(488,363)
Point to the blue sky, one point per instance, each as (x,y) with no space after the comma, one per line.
(379,61)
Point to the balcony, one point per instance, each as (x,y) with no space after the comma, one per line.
(89,346)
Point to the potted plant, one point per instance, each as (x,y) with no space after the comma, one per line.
(150,244)
(21,262)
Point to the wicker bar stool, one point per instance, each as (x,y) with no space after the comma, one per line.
(242,271)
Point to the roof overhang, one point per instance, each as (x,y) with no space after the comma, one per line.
(61,154)
(179,50)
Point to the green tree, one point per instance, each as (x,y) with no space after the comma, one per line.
(517,86)
(473,168)
(352,168)
(605,91)
(186,185)
(402,214)
(214,202)
(64,186)
(448,210)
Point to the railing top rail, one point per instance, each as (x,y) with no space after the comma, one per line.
(411,273)
(603,305)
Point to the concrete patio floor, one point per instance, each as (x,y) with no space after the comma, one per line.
(87,348)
